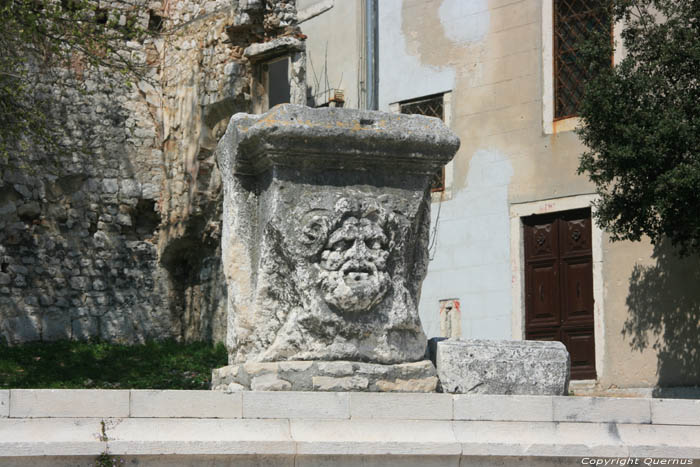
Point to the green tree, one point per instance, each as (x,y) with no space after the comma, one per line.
(641,123)
(57,42)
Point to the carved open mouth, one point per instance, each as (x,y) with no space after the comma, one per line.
(358,272)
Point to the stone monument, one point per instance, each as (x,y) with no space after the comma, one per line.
(326,219)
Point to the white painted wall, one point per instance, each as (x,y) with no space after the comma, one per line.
(471,259)
(401,75)
(471,255)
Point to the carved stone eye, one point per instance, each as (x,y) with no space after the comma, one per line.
(342,245)
(373,243)
(314,231)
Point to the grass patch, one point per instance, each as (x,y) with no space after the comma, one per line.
(79,365)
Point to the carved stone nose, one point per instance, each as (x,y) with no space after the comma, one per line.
(358,249)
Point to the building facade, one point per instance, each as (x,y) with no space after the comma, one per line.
(515,251)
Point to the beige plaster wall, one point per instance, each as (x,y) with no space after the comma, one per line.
(497,106)
(489,54)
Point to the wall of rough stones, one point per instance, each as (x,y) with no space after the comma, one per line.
(121,242)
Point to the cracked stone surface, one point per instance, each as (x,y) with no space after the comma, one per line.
(476,366)
(325,233)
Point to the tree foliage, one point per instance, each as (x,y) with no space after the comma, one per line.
(641,123)
(57,42)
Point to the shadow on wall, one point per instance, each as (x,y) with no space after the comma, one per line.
(664,314)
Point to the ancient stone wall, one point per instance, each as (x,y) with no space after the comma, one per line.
(121,241)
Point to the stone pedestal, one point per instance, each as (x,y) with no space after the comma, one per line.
(475,366)
(326,219)
(326,376)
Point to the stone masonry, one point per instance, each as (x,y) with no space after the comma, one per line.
(121,241)
(325,244)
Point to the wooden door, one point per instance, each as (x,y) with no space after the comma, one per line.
(559,285)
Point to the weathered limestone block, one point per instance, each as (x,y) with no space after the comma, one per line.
(326,376)
(326,219)
(475,366)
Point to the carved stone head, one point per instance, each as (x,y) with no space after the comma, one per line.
(352,265)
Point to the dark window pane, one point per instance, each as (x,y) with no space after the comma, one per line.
(278,82)
(574,21)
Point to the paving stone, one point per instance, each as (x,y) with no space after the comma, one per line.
(675,412)
(295,405)
(68,403)
(503,408)
(405,406)
(601,409)
(192,404)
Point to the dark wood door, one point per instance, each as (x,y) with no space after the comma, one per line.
(559,285)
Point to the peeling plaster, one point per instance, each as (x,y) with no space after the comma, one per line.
(465,21)
(415,79)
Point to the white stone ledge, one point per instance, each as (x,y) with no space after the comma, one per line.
(49,403)
(601,409)
(50,436)
(4,403)
(27,403)
(200,436)
(288,404)
(675,411)
(341,438)
(411,406)
(189,404)
(503,408)
(374,437)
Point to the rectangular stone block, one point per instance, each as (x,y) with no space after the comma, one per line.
(36,403)
(503,408)
(475,366)
(410,406)
(185,404)
(535,439)
(295,405)
(661,441)
(184,436)
(49,437)
(675,412)
(374,437)
(4,403)
(601,409)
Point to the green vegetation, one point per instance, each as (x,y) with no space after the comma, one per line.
(73,365)
(641,123)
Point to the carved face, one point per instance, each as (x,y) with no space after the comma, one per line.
(352,265)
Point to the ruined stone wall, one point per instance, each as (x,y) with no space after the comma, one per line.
(121,241)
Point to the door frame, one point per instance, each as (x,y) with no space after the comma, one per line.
(517,260)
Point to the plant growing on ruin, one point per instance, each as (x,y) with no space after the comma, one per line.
(641,123)
(46,47)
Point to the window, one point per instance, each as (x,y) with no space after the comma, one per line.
(276,79)
(431,106)
(574,20)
